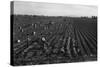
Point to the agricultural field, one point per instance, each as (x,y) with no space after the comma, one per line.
(53,39)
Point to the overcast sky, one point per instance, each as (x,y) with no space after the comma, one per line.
(51,9)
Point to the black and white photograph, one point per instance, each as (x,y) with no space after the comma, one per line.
(52,33)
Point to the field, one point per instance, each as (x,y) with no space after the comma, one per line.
(52,39)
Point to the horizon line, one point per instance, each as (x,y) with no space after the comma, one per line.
(53,16)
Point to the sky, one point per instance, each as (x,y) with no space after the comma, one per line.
(52,9)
